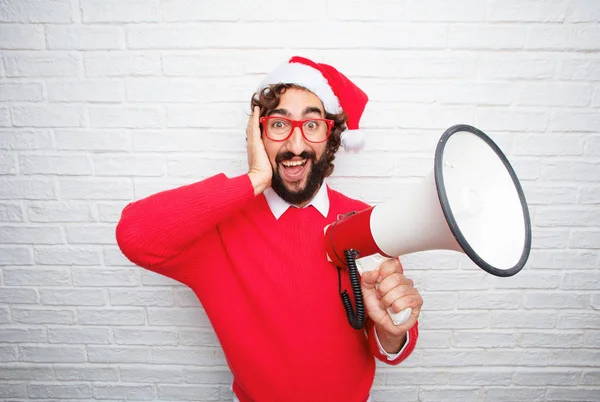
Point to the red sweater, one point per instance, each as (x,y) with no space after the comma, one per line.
(265,285)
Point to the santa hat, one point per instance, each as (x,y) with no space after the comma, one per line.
(334,89)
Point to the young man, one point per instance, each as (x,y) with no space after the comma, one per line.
(252,249)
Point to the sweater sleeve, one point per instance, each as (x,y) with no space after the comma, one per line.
(156,232)
(413,335)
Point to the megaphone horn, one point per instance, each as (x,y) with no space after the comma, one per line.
(471,202)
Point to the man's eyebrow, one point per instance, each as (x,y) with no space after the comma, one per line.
(312,109)
(279,111)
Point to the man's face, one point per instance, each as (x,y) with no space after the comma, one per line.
(298,165)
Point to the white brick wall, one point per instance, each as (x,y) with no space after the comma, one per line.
(106,101)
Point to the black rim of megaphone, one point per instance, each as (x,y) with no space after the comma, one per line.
(441,190)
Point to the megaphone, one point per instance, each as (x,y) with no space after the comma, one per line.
(471,202)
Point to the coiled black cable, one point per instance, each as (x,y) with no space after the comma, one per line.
(355,318)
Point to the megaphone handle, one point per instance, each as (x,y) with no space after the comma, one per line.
(371,263)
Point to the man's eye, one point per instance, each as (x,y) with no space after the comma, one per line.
(278,124)
(311,125)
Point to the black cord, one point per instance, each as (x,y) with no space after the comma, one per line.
(355,318)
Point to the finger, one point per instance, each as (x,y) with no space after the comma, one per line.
(413,301)
(389,267)
(393,280)
(396,293)
(369,280)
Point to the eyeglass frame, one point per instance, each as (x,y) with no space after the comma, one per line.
(299,124)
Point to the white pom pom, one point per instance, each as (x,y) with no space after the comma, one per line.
(353,141)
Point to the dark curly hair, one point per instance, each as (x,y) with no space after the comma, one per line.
(268,98)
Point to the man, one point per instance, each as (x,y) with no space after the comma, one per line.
(251,247)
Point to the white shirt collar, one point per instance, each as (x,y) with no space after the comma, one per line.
(278,206)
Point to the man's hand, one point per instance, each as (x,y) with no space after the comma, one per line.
(389,288)
(259,167)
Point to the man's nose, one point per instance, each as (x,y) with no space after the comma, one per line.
(296,142)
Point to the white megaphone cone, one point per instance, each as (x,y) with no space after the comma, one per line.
(471,202)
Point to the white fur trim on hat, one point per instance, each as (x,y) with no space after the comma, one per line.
(353,141)
(307,77)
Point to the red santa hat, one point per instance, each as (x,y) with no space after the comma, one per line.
(334,89)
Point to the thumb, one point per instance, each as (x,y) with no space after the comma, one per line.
(369,279)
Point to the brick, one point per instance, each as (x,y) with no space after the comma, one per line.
(187,392)
(53,11)
(145,297)
(484,339)
(211,115)
(592,146)
(122,316)
(560,94)
(506,394)
(92,90)
(129,165)
(568,394)
(591,378)
(82,37)
(152,374)
(26,372)
(555,300)
(8,164)
(5,317)
(192,166)
(121,64)
(72,297)
(480,94)
(532,11)
(5,120)
(66,256)
(589,239)
(538,194)
(452,281)
(22,335)
(188,356)
(189,316)
(450,320)
(55,64)
(566,217)
(96,189)
(20,188)
(520,319)
(13,391)
(208,375)
(583,11)
(137,392)
(129,117)
(509,120)
(51,212)
(429,394)
(579,69)
(37,276)
(52,354)
(61,391)
(111,354)
(489,300)
(441,11)
(184,10)
(92,140)
(145,337)
(83,373)
(79,335)
(185,297)
(516,66)
(48,116)
(435,339)
(528,280)
(56,164)
(414,377)
(476,36)
(483,378)
(88,234)
(578,320)
(525,358)
(551,339)
(15,256)
(206,64)
(204,337)
(550,239)
(165,90)
(18,296)
(441,358)
(22,37)
(541,378)
(119,11)
(105,277)
(395,394)
(562,37)
(11,213)
(25,139)
(562,259)
(42,316)
(25,92)
(574,121)
(110,213)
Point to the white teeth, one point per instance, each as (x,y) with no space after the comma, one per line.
(293,163)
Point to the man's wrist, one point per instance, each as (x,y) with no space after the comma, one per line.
(391,343)
(259,182)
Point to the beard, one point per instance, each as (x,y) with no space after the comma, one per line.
(314,179)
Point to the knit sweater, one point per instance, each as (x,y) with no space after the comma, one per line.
(265,284)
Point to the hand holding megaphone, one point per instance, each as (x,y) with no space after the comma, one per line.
(373,263)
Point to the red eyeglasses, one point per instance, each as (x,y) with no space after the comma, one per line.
(279,128)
